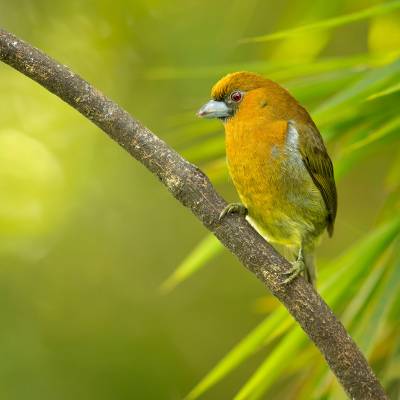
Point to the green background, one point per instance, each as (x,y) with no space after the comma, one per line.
(87,235)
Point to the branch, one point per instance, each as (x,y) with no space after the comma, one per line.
(194,190)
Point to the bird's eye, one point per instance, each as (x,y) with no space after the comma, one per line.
(236,96)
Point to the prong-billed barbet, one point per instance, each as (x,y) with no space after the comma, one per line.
(278,163)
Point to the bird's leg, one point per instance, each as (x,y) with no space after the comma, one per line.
(233,208)
(298,267)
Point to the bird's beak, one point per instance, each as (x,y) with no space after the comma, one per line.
(214,109)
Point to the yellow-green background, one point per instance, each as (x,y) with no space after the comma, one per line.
(87,235)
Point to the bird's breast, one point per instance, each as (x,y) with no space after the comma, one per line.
(271,179)
(256,156)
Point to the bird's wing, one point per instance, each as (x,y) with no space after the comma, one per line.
(319,166)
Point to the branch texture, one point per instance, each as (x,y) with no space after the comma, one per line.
(193,189)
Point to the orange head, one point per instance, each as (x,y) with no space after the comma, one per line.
(248,92)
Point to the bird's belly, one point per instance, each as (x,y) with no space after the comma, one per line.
(283,202)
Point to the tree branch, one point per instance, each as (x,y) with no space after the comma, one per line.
(193,189)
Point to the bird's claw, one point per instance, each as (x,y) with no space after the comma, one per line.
(298,267)
(233,208)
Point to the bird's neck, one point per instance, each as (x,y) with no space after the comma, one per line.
(253,140)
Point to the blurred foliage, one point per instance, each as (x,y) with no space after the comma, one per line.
(88,237)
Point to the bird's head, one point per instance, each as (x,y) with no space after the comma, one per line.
(244,90)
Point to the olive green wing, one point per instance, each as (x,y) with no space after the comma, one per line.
(319,166)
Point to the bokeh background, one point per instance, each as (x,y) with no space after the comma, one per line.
(89,239)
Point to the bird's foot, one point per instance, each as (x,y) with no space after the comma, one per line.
(298,267)
(233,208)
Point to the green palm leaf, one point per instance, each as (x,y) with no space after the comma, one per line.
(208,248)
(328,23)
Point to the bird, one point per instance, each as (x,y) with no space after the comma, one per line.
(278,163)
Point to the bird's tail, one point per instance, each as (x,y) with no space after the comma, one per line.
(309,272)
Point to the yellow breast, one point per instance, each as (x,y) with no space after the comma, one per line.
(254,158)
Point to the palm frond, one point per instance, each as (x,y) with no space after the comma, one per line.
(328,23)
